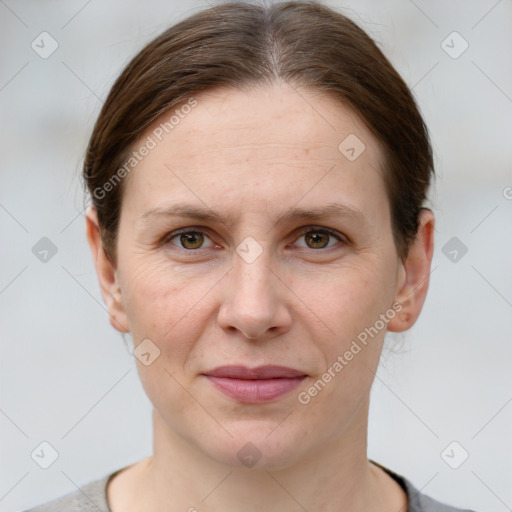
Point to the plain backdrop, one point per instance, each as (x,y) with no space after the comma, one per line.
(67,378)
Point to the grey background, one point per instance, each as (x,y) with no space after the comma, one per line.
(66,376)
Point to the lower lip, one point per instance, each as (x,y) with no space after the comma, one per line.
(255,391)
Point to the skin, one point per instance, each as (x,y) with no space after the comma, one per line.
(255,155)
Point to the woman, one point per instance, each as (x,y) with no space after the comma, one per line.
(258,178)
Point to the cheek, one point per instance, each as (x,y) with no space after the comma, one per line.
(153,298)
(166,308)
(346,299)
(150,287)
(166,304)
(349,301)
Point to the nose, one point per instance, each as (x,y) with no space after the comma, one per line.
(254,300)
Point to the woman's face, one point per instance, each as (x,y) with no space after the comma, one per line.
(289,260)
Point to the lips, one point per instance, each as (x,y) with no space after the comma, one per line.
(262,372)
(255,385)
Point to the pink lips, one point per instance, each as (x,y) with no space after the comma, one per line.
(255,385)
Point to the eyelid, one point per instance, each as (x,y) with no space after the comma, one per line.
(166,239)
(205,231)
(307,229)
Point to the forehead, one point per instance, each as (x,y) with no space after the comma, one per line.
(278,140)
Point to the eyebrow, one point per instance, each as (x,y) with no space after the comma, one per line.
(205,214)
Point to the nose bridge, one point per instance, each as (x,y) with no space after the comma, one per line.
(252,280)
(252,303)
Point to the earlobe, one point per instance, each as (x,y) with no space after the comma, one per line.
(414,275)
(106,272)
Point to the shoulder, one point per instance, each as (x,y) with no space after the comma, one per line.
(91,497)
(423,503)
(419,502)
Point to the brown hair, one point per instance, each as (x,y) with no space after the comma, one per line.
(240,45)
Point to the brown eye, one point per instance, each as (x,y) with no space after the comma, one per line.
(317,239)
(191,240)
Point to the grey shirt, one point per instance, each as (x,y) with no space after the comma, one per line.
(92,497)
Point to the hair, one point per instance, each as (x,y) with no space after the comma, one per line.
(242,45)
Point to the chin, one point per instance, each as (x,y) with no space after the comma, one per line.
(250,450)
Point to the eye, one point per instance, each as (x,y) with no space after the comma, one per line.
(317,238)
(190,240)
(194,239)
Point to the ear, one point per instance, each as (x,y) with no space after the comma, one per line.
(107,275)
(414,275)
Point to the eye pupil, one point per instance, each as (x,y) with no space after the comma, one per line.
(192,240)
(314,239)
(317,239)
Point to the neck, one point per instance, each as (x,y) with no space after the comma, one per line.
(181,477)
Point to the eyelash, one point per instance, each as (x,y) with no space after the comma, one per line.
(309,229)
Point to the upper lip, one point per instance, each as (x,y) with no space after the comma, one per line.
(261,372)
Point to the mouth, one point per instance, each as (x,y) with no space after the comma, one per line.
(255,385)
